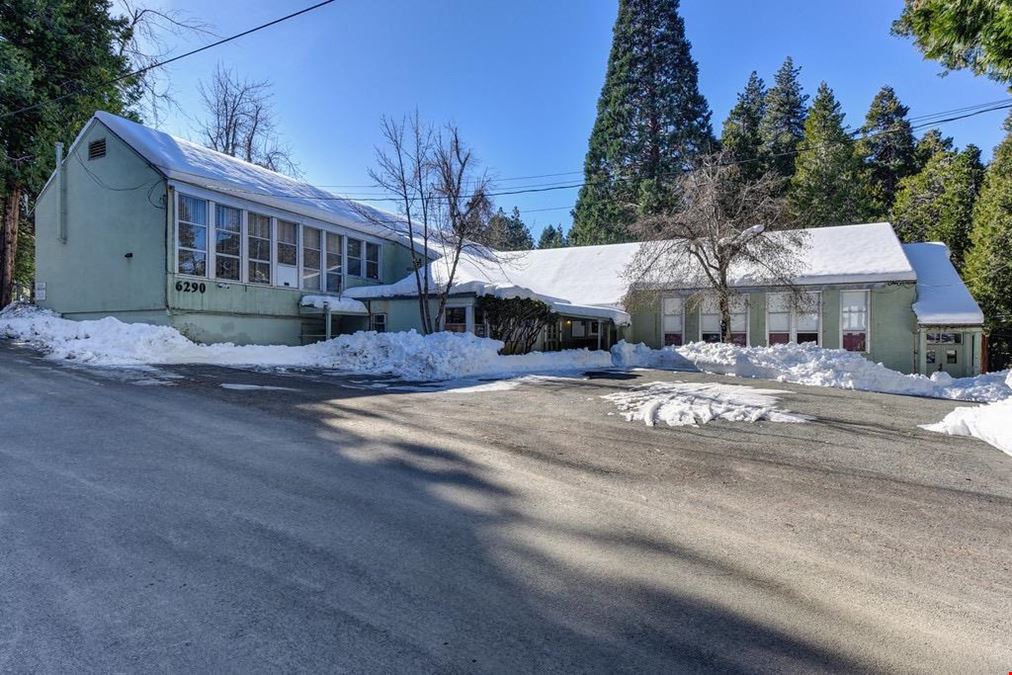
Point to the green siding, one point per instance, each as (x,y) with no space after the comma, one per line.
(114,207)
(893,333)
(646,322)
(831,318)
(757,319)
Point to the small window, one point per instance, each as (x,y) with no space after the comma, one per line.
(672,321)
(579,329)
(931,357)
(710,320)
(354,258)
(96,149)
(945,338)
(854,320)
(227,242)
(259,243)
(372,261)
(288,243)
(191,236)
(334,259)
(311,258)
(480,326)
(950,357)
(456,318)
(378,323)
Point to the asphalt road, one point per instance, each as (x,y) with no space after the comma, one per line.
(161,522)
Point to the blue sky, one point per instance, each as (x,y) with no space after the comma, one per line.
(521,77)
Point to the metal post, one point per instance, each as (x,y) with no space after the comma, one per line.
(599,328)
(328,322)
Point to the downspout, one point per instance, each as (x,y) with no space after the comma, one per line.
(61,192)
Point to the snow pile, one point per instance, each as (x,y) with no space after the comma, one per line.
(680,404)
(334,304)
(441,356)
(628,355)
(813,365)
(991,423)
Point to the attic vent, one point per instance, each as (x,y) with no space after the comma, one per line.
(96,149)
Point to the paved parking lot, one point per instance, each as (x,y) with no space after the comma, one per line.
(160,521)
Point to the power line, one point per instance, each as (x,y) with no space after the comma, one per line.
(141,71)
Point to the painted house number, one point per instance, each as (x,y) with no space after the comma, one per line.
(190,287)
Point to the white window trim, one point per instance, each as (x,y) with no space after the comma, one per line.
(662,315)
(793,320)
(867,327)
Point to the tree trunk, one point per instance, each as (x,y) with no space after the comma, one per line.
(725,315)
(9,242)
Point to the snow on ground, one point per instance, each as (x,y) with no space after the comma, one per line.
(812,365)
(694,403)
(991,423)
(441,356)
(254,387)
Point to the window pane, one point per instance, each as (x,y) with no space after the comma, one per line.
(808,323)
(193,262)
(854,342)
(673,339)
(740,339)
(259,249)
(227,243)
(739,322)
(311,261)
(711,323)
(354,266)
(808,337)
(288,254)
(778,302)
(193,236)
(779,322)
(711,337)
(311,281)
(372,252)
(780,338)
(288,233)
(672,324)
(259,272)
(456,315)
(228,218)
(226,268)
(672,305)
(334,243)
(372,270)
(311,238)
(354,248)
(259,226)
(334,282)
(192,210)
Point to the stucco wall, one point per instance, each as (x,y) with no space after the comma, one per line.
(114,206)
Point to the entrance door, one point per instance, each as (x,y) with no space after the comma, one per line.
(945,353)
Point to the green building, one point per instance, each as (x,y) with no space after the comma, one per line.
(146,227)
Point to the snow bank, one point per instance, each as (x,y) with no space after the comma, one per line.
(680,404)
(441,356)
(812,365)
(991,423)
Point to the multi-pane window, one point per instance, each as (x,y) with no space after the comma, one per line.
(792,319)
(334,262)
(227,242)
(311,258)
(259,248)
(354,257)
(288,243)
(192,236)
(455,320)
(378,323)
(672,320)
(710,320)
(854,320)
(372,261)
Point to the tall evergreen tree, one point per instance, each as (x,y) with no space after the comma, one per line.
(783,122)
(886,148)
(928,145)
(47,50)
(936,204)
(828,187)
(508,232)
(553,237)
(741,137)
(988,270)
(651,120)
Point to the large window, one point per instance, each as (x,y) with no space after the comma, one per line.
(672,320)
(354,257)
(455,320)
(227,242)
(792,319)
(288,243)
(259,246)
(372,261)
(854,320)
(191,235)
(311,258)
(710,320)
(334,259)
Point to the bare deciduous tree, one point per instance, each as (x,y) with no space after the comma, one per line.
(443,201)
(727,230)
(241,121)
(144,43)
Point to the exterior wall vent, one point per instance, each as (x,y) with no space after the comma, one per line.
(96,149)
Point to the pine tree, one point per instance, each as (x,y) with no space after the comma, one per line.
(936,204)
(651,120)
(988,270)
(508,232)
(741,137)
(930,144)
(783,122)
(886,149)
(828,186)
(553,237)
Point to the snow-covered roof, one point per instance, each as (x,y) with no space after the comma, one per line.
(587,277)
(942,297)
(187,162)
